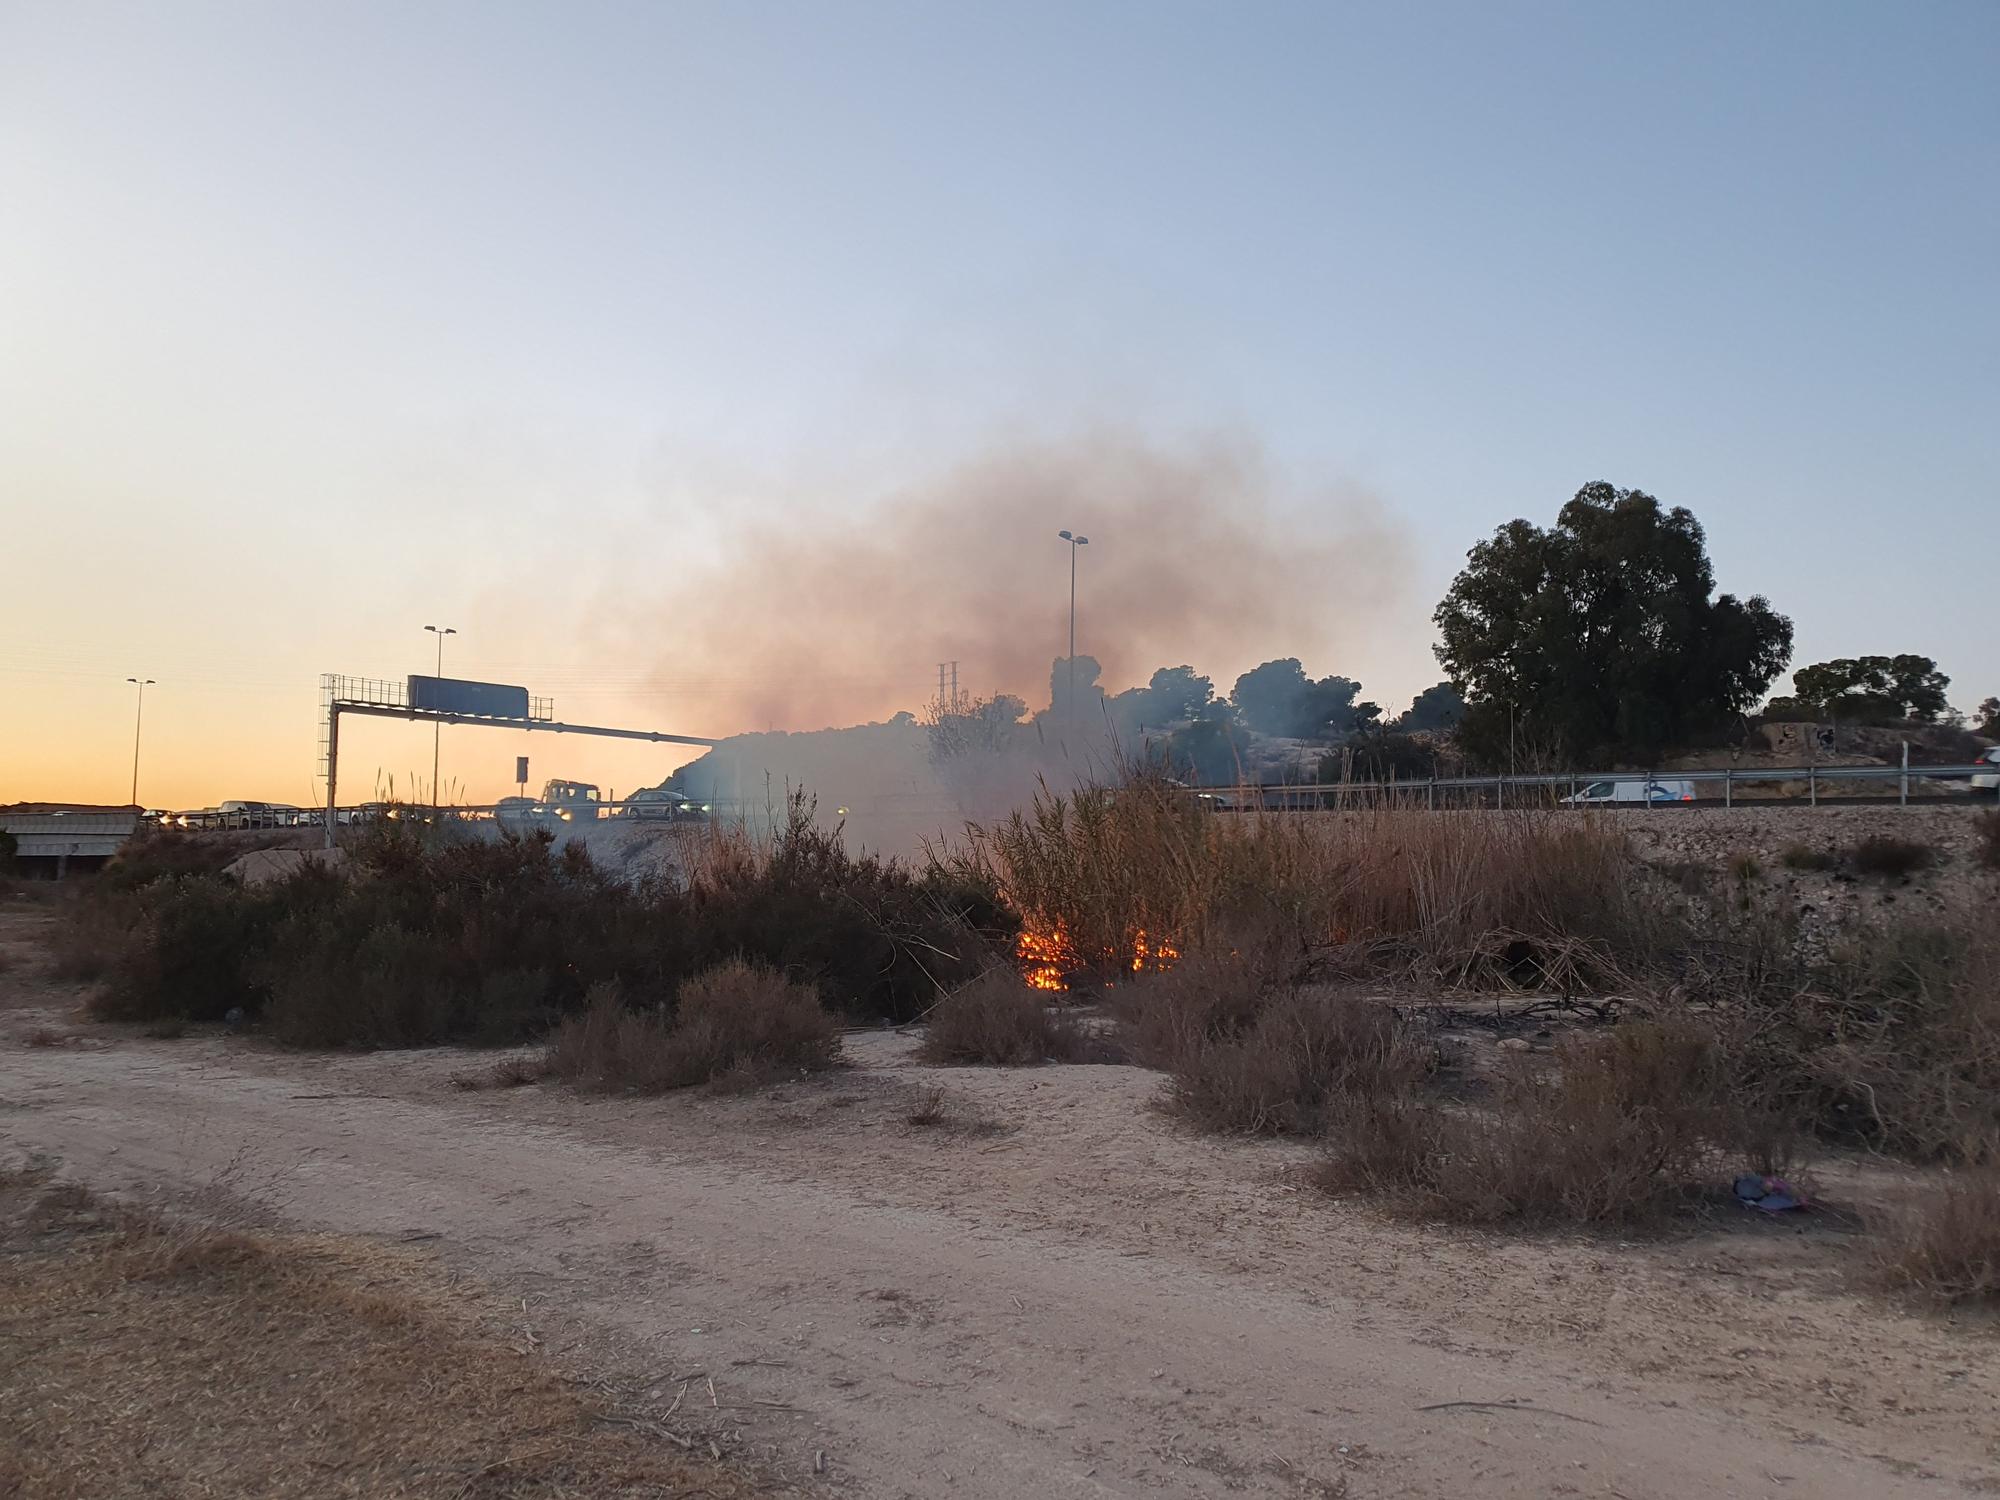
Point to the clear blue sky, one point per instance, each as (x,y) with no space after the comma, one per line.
(396,293)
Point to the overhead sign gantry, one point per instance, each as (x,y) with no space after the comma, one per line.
(446,700)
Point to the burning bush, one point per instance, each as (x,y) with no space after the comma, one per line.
(737,1025)
(1519,900)
(998,1019)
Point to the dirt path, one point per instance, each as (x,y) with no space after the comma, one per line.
(1066,1299)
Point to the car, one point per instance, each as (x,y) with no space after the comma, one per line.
(1625,790)
(514,812)
(1984,781)
(657,802)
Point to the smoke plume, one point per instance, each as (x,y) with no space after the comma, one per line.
(827,612)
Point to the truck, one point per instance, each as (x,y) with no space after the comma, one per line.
(569,802)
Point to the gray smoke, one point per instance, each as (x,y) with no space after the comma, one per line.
(836,614)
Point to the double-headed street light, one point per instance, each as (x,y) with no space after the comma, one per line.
(437,727)
(138,721)
(1074,543)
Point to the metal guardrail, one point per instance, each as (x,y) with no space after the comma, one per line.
(1554,788)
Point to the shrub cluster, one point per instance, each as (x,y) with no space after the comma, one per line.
(1620,1127)
(1308,1052)
(735,1026)
(997,1019)
(1888,856)
(429,934)
(1947,1249)
(1893,1042)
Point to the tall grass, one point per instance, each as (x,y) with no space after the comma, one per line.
(1548,899)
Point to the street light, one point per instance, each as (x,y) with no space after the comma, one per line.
(138,719)
(1074,543)
(437,726)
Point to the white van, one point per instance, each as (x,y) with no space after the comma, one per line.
(1637,789)
(1983,781)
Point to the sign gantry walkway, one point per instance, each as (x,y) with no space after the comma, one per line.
(446,700)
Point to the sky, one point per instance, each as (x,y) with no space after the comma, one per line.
(590,329)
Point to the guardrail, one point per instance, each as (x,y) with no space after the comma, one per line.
(543,814)
(1558,788)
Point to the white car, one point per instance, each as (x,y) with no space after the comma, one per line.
(1987,781)
(1639,789)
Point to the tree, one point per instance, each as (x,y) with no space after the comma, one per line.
(1208,752)
(1433,710)
(1173,696)
(1599,637)
(1088,693)
(985,726)
(1988,718)
(1886,689)
(1278,698)
(1177,693)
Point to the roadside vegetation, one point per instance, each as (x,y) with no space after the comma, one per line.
(736,1026)
(1703,1037)
(1308,977)
(997,1020)
(425,937)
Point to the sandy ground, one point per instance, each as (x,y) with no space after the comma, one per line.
(1057,1293)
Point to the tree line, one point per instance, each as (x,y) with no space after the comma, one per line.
(1599,639)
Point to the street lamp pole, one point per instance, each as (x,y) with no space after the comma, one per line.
(437,727)
(138,721)
(1074,543)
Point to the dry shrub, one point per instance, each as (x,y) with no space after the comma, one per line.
(1806,857)
(1893,1044)
(1211,995)
(1986,835)
(90,937)
(1947,1251)
(735,1026)
(1619,1127)
(1305,1049)
(1888,856)
(999,1020)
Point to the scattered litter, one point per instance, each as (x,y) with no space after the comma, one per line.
(1773,1195)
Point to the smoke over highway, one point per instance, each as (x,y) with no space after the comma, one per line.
(825,612)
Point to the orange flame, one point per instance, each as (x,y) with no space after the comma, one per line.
(1048,956)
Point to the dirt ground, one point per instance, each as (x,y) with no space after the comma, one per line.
(147,1355)
(1054,1292)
